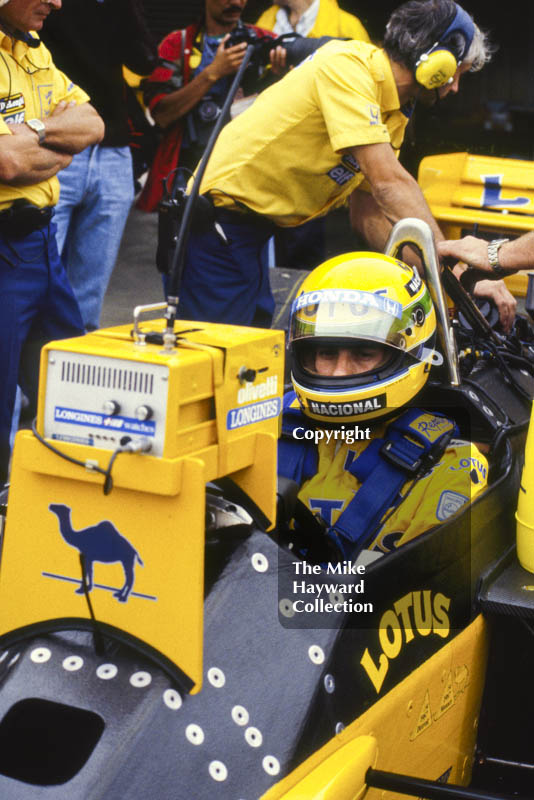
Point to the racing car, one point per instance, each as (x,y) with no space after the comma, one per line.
(149,640)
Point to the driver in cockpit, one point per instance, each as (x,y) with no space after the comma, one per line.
(374,467)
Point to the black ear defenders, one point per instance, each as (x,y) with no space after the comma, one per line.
(437,66)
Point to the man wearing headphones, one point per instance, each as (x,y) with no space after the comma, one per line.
(373,467)
(44,120)
(330,129)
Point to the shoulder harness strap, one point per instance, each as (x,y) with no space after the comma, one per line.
(413,443)
(297,457)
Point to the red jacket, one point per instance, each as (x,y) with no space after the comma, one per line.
(167,155)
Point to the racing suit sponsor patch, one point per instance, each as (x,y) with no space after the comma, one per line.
(449,503)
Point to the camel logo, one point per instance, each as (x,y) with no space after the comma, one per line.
(101,542)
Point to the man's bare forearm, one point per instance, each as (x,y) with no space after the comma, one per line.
(402,197)
(176,104)
(72,128)
(24,162)
(395,192)
(514,255)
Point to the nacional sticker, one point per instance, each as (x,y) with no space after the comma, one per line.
(413,285)
(255,412)
(351,409)
(449,503)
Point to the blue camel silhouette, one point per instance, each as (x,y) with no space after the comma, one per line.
(101,542)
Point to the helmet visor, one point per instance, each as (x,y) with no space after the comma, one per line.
(350,314)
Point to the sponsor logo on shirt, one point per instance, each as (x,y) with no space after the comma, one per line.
(12,108)
(374,115)
(345,171)
(14,102)
(449,503)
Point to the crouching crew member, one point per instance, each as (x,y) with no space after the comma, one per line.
(44,121)
(362,334)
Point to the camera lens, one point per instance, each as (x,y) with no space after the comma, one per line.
(208,111)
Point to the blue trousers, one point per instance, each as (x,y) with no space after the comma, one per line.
(228,281)
(97,191)
(36,306)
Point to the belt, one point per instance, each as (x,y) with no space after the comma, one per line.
(249,218)
(23,218)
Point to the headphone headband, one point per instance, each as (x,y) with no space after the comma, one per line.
(462,24)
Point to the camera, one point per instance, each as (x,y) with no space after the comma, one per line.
(208,110)
(297,47)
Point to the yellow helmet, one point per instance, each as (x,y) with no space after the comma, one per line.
(355,298)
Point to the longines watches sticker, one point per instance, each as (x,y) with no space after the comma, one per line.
(256,412)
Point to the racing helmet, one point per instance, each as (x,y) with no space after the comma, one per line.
(354,299)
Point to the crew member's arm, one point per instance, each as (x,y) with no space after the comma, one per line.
(372,222)
(71,127)
(24,162)
(514,255)
(170,107)
(395,192)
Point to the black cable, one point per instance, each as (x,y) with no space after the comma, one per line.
(98,639)
(177,265)
(108,480)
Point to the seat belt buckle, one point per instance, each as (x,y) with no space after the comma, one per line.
(401,459)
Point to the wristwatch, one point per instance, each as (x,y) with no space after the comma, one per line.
(493,256)
(37,125)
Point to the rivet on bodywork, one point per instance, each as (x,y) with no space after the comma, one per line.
(271,765)
(240,715)
(172,699)
(316,654)
(329,684)
(218,771)
(253,737)
(72,663)
(141,679)
(286,607)
(260,562)
(106,671)
(216,677)
(194,734)
(40,655)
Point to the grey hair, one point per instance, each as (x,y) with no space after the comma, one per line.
(480,52)
(417,25)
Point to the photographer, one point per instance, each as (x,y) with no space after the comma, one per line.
(187,89)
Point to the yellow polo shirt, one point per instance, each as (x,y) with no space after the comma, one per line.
(283,157)
(30,87)
(331,21)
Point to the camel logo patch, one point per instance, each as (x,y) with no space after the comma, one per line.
(100,543)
